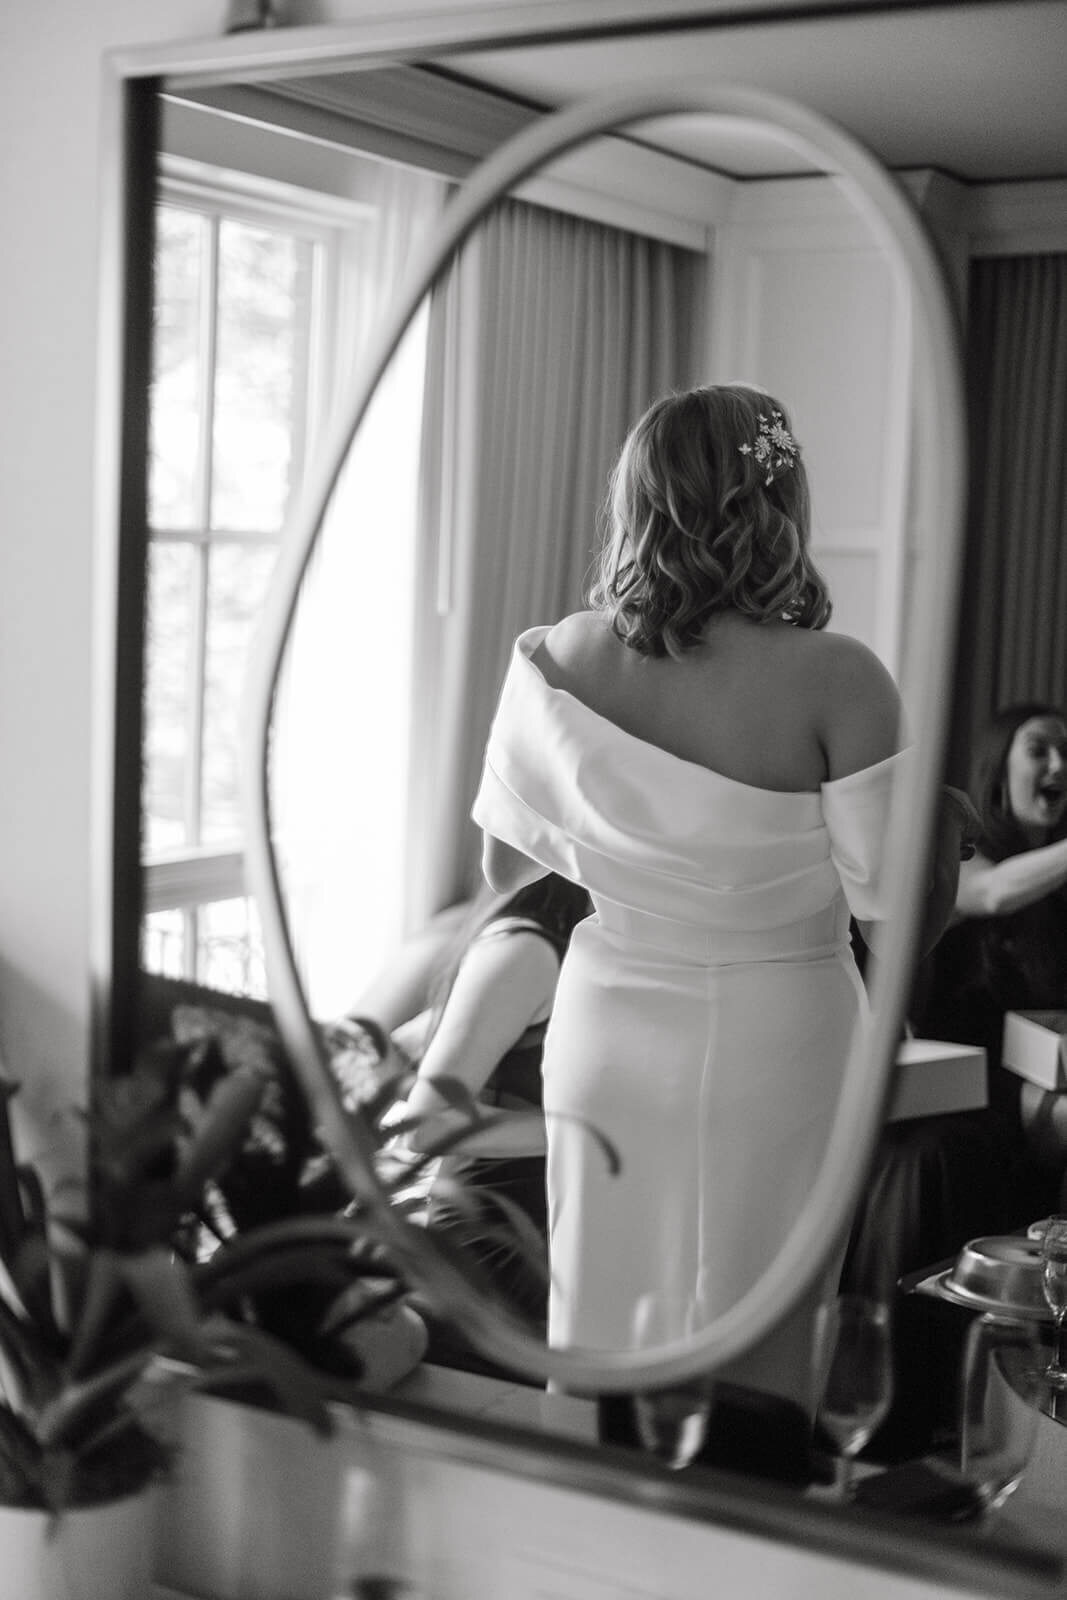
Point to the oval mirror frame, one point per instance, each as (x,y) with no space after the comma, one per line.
(938,510)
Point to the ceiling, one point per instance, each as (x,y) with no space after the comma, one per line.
(974,90)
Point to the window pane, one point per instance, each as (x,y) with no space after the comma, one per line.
(163,943)
(229,948)
(169,643)
(174,421)
(237,583)
(262,316)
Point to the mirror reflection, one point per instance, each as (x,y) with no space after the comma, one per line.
(517,422)
(264,323)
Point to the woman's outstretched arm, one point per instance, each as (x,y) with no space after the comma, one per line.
(502,986)
(996,888)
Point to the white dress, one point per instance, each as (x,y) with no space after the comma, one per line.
(704,1013)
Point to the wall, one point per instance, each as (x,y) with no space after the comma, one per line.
(809,305)
(51,75)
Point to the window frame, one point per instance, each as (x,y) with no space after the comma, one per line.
(192,876)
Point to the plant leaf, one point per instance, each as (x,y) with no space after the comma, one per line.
(241,1355)
(609,1151)
(468,1220)
(73,1411)
(30,1363)
(57,1478)
(279,1269)
(162,1291)
(226,1118)
(20,1461)
(309,1232)
(101,1292)
(12,1220)
(125,1152)
(360,1301)
(30,1263)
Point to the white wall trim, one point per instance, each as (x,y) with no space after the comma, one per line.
(986,218)
(380,31)
(992,219)
(813,199)
(1018,218)
(452,127)
(316,215)
(194,877)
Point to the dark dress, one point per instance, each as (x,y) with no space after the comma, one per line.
(981,969)
(483,1227)
(986,966)
(936,1182)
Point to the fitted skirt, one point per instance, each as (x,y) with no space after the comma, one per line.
(714,1084)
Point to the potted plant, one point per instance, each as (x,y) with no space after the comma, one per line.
(152,1264)
(91,1295)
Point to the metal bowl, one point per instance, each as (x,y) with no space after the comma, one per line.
(997,1274)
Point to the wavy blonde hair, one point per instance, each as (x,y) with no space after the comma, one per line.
(694,528)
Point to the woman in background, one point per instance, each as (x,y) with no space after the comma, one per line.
(486,1034)
(1007,948)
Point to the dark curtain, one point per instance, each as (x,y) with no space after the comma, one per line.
(1012,635)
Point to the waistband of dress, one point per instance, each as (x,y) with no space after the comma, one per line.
(813,938)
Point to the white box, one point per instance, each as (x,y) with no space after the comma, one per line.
(934,1077)
(1035,1046)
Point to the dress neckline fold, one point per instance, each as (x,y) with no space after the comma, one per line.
(527,643)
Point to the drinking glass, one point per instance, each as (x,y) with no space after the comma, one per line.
(856,1349)
(1000,1398)
(671,1424)
(1054,1283)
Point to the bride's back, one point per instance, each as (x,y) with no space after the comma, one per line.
(706,634)
(767,704)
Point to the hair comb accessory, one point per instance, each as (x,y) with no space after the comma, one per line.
(774,449)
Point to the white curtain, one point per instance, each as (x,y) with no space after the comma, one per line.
(340,745)
(548,339)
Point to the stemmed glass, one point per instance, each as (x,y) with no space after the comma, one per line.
(1000,1398)
(855,1344)
(1054,1283)
(671,1424)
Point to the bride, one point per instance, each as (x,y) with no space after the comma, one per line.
(717,771)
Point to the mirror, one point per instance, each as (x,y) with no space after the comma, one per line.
(796,1247)
(763,53)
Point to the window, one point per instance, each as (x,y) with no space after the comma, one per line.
(238,375)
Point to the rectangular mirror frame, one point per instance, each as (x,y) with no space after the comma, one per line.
(128,146)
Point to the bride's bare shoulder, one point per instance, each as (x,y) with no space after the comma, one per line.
(574,638)
(577,628)
(845,662)
(859,717)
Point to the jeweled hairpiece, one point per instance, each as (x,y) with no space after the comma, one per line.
(775,449)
